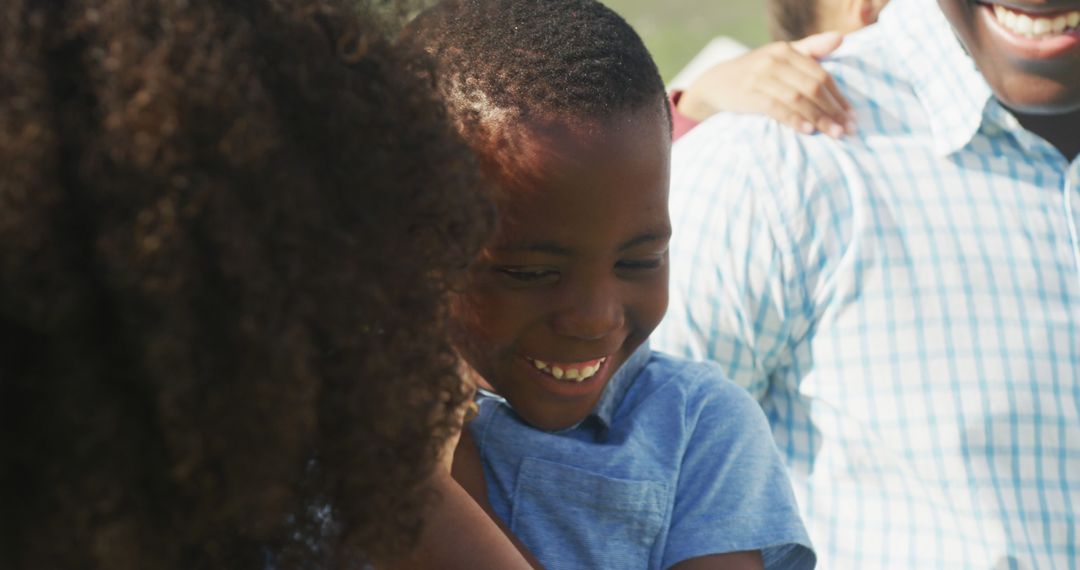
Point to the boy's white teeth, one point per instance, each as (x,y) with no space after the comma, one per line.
(570,372)
(1036,27)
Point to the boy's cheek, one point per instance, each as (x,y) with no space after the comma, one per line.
(471,338)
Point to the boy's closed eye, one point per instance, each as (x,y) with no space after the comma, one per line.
(531,275)
(516,275)
(641,264)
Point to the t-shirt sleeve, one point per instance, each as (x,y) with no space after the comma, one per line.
(733,492)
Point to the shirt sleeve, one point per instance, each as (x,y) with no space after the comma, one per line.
(737,295)
(733,493)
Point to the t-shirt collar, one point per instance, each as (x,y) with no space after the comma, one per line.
(619,385)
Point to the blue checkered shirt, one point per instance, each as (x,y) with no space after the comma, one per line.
(904,303)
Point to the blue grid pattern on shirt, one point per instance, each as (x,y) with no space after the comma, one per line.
(905,304)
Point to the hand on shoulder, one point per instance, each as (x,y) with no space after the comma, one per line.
(782,80)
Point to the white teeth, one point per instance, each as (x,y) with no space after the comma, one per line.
(578,374)
(1060,23)
(1041,26)
(1024,24)
(1036,27)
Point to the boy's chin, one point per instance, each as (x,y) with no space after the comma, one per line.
(556,425)
(550,420)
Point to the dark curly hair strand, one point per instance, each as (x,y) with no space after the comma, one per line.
(226,231)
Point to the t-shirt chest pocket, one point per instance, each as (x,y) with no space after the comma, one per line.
(577,519)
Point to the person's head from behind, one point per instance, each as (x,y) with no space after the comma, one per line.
(791,20)
(1028,51)
(225,236)
(567,113)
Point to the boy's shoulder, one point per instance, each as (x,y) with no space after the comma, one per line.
(689,375)
(694,387)
(683,373)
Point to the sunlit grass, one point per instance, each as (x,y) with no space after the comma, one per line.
(674,30)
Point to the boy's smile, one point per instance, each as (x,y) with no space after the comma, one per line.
(1028,50)
(575,278)
(571,372)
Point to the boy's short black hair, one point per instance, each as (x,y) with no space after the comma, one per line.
(505,62)
(791,20)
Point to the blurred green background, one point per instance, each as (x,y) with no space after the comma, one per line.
(675,30)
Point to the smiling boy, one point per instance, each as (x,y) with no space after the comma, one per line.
(596,452)
(905,302)
(576,278)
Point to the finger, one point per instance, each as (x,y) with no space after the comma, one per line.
(789,93)
(820,45)
(814,83)
(793,108)
(816,73)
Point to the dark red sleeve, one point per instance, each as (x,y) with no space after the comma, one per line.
(680,123)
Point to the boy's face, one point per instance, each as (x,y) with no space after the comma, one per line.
(1028,50)
(575,278)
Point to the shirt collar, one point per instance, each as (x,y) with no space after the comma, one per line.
(619,385)
(946,81)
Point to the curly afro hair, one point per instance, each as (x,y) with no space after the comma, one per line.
(227,231)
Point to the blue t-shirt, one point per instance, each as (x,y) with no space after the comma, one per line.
(675,462)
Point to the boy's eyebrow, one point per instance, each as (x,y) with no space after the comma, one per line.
(659,234)
(539,247)
(552,248)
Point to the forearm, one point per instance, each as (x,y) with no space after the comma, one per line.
(521,548)
(459,534)
(470,476)
(747,560)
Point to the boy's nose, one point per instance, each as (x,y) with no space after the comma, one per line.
(590,316)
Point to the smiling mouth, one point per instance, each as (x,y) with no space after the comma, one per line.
(568,372)
(1034,26)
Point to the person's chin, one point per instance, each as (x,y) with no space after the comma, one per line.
(1037,95)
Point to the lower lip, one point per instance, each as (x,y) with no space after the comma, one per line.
(565,389)
(1028,48)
